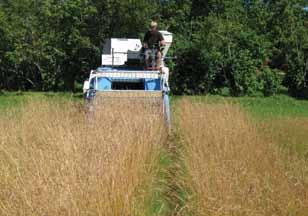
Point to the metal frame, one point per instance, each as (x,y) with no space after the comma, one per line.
(153,56)
(136,74)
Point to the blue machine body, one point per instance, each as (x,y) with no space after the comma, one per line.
(122,79)
(106,83)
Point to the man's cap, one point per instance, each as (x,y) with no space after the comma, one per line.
(153,24)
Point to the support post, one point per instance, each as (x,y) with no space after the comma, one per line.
(112,57)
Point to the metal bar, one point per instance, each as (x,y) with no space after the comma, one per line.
(130,71)
(112,57)
(151,95)
(130,75)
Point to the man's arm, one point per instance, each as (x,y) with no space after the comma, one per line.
(162,41)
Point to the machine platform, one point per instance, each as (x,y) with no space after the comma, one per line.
(122,80)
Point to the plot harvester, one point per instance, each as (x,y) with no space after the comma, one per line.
(123,77)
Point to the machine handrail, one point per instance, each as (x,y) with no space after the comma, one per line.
(142,53)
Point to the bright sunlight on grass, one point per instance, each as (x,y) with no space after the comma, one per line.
(225,156)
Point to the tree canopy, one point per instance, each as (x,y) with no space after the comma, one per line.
(239,46)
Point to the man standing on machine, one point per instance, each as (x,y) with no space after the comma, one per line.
(153,41)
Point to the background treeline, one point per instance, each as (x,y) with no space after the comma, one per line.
(240,47)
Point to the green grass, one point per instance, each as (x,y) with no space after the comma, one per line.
(158,205)
(9,100)
(279,106)
(264,107)
(259,107)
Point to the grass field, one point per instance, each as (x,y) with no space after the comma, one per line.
(57,159)
(235,169)
(225,156)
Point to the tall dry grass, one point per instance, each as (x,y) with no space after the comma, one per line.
(55,159)
(234,170)
(290,133)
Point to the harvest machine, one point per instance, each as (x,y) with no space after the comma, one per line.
(123,77)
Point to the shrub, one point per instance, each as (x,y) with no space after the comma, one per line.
(269,81)
(296,79)
(241,74)
(221,55)
(190,75)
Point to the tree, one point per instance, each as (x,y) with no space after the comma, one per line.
(239,45)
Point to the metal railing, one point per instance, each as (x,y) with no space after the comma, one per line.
(154,52)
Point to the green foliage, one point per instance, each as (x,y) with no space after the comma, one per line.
(241,46)
(190,75)
(289,37)
(223,54)
(270,81)
(296,79)
(297,62)
(241,74)
(233,44)
(48,42)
